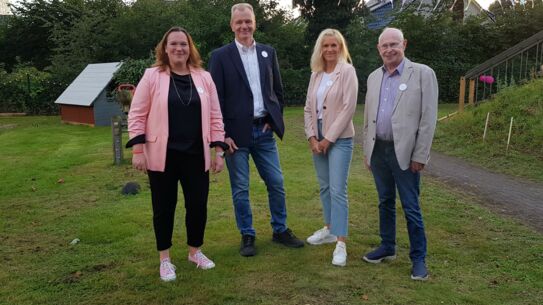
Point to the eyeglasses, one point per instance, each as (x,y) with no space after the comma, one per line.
(392,45)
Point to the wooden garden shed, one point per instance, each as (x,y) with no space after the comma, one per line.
(86,101)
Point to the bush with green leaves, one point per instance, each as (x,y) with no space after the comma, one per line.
(132,70)
(26,89)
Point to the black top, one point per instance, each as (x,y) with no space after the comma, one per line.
(184,119)
(184,116)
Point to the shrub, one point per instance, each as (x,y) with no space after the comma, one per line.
(28,90)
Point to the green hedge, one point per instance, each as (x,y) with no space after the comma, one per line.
(29,90)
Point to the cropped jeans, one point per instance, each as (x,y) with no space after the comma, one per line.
(332,173)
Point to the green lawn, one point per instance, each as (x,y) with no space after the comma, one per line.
(475,257)
(445,109)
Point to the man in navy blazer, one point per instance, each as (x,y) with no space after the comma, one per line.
(250,92)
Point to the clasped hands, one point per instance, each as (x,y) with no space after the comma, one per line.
(319,147)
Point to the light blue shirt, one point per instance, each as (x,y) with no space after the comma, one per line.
(249,58)
(389,90)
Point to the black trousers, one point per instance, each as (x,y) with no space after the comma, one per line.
(189,171)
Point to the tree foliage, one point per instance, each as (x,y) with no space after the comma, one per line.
(26,89)
(60,37)
(327,14)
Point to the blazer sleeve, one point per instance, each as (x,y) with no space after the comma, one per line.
(349,87)
(216,70)
(308,110)
(215,122)
(277,82)
(139,107)
(428,119)
(365,126)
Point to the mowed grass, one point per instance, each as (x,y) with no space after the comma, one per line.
(475,257)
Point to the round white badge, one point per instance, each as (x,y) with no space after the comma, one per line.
(264,54)
(329,83)
(200,90)
(403,87)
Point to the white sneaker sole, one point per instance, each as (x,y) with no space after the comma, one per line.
(377,261)
(211,266)
(419,278)
(329,240)
(206,267)
(339,264)
(168,278)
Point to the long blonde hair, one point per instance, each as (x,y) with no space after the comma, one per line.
(161,58)
(317,61)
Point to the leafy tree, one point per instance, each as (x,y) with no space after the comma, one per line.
(516,22)
(87,40)
(132,70)
(26,89)
(362,43)
(27,37)
(327,14)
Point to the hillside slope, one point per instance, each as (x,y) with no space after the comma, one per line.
(463,134)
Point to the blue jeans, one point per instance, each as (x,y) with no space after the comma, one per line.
(264,153)
(332,172)
(388,176)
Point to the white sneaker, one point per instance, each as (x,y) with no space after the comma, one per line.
(340,254)
(321,236)
(167,271)
(201,261)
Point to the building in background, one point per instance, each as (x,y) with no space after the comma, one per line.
(4,8)
(86,100)
(384,10)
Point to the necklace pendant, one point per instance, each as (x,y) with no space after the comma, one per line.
(177,92)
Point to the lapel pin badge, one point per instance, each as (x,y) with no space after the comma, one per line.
(200,90)
(403,87)
(264,54)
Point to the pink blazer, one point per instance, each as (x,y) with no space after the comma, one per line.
(149,114)
(339,104)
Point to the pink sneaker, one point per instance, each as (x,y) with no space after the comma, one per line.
(167,271)
(201,261)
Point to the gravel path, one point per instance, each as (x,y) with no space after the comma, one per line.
(504,194)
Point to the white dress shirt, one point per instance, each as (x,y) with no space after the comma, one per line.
(250,64)
(325,83)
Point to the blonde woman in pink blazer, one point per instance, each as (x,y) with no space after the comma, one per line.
(174,119)
(328,116)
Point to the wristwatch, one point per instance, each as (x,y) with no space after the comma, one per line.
(220,154)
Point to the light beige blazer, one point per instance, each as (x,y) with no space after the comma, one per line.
(414,114)
(339,104)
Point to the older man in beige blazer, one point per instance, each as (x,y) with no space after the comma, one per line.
(399,122)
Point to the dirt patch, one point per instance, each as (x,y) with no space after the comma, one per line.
(7,126)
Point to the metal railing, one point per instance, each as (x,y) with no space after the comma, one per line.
(516,64)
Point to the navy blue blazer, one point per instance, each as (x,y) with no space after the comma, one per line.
(236,97)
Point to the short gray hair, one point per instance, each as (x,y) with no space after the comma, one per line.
(396,30)
(241,7)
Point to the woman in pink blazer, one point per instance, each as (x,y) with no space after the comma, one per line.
(173,121)
(328,116)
